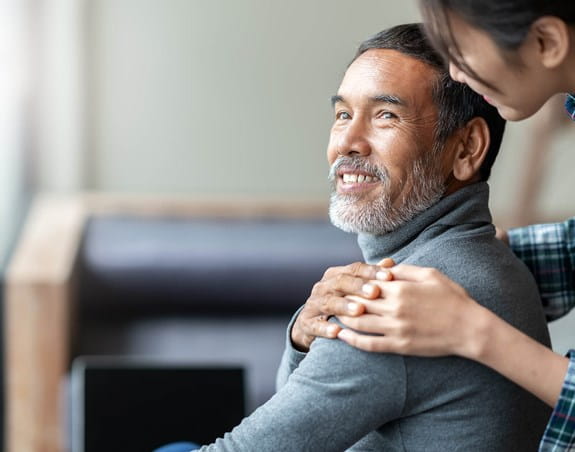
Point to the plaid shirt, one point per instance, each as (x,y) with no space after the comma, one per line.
(570,105)
(559,435)
(549,252)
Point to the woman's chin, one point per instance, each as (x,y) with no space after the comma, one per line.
(515,114)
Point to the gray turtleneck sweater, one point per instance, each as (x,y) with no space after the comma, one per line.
(336,397)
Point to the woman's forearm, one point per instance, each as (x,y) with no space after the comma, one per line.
(496,344)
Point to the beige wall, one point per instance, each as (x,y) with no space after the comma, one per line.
(232,96)
(220,96)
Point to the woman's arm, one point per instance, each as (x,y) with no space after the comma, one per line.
(408,322)
(519,358)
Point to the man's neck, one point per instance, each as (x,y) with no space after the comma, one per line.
(463,209)
(453,184)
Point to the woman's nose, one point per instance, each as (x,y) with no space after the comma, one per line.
(455,73)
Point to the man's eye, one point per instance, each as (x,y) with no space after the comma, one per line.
(387,115)
(342,115)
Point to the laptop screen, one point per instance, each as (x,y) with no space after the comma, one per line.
(138,405)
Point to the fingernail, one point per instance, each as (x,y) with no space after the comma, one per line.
(387,262)
(367,289)
(382,275)
(352,308)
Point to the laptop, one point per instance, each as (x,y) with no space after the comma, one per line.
(125,404)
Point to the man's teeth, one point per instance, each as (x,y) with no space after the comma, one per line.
(358,178)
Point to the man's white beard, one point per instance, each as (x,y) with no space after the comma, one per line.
(351,213)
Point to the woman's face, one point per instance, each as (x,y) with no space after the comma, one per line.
(514,82)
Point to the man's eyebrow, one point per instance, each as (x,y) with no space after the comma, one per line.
(335,99)
(389,99)
(381,98)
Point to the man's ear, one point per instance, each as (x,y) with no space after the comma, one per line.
(471,149)
(551,35)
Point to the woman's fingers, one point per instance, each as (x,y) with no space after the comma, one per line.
(328,299)
(319,326)
(335,305)
(369,323)
(379,306)
(360,279)
(387,262)
(380,344)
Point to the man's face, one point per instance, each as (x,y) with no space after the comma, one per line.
(383,168)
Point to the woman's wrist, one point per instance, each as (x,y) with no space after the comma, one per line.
(495,343)
(476,326)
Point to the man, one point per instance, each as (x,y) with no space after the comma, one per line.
(410,151)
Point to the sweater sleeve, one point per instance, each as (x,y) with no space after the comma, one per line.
(335,397)
(290,358)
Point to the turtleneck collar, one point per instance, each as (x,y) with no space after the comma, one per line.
(463,210)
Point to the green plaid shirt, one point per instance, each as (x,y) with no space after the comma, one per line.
(570,105)
(549,252)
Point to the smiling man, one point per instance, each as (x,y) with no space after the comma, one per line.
(409,151)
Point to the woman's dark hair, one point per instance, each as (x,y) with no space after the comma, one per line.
(507,22)
(456,103)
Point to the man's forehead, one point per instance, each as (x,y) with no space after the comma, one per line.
(390,59)
(390,72)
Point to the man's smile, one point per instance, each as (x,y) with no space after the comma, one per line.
(352,180)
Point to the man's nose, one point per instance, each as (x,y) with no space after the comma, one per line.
(354,140)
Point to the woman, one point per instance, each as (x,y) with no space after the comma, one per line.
(517,54)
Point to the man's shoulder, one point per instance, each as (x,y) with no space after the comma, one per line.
(460,252)
(491,274)
(465,247)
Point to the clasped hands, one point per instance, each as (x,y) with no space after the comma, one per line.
(404,309)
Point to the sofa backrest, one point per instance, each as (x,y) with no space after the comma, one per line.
(133,264)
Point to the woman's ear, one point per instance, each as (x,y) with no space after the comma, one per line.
(471,150)
(552,37)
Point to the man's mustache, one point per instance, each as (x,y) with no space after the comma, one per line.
(357,163)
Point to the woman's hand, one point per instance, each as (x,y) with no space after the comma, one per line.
(502,235)
(420,312)
(328,298)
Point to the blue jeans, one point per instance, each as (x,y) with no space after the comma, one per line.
(178,447)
